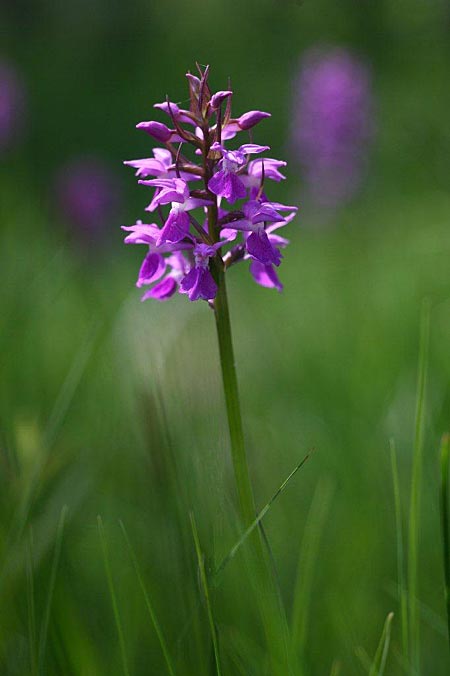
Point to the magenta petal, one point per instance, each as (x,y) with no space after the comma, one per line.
(271,168)
(168,107)
(158,130)
(152,268)
(199,284)
(218,98)
(161,291)
(146,167)
(217,183)
(227,184)
(253,149)
(230,130)
(175,228)
(248,120)
(259,247)
(265,275)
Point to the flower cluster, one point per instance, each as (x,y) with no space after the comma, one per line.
(210,202)
(332,123)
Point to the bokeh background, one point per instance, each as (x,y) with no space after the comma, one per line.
(114,408)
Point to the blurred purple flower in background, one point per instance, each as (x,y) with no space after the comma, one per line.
(333,123)
(12,105)
(87,195)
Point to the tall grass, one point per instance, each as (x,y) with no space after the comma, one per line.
(416,492)
(401,581)
(445,523)
(113,595)
(51,588)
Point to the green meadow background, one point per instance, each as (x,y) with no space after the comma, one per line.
(114,408)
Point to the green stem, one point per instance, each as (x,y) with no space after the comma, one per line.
(230,386)
(416,491)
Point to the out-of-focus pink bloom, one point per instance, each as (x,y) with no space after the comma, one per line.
(87,194)
(332,123)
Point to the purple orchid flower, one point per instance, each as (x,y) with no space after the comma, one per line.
(154,266)
(265,274)
(257,243)
(199,282)
(183,254)
(226,182)
(176,192)
(169,284)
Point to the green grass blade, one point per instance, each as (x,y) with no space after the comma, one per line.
(204,581)
(233,551)
(335,668)
(284,624)
(416,490)
(51,589)
(148,603)
(32,634)
(306,563)
(112,593)
(401,582)
(364,658)
(69,387)
(445,522)
(53,426)
(380,659)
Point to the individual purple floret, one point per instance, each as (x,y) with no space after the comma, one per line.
(256,216)
(12,105)
(87,194)
(175,192)
(196,177)
(227,181)
(332,123)
(199,282)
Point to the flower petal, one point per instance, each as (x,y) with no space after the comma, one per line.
(175,228)
(248,120)
(265,275)
(152,268)
(253,149)
(158,130)
(141,233)
(227,184)
(259,247)
(161,291)
(199,284)
(218,98)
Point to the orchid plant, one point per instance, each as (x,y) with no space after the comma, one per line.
(212,212)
